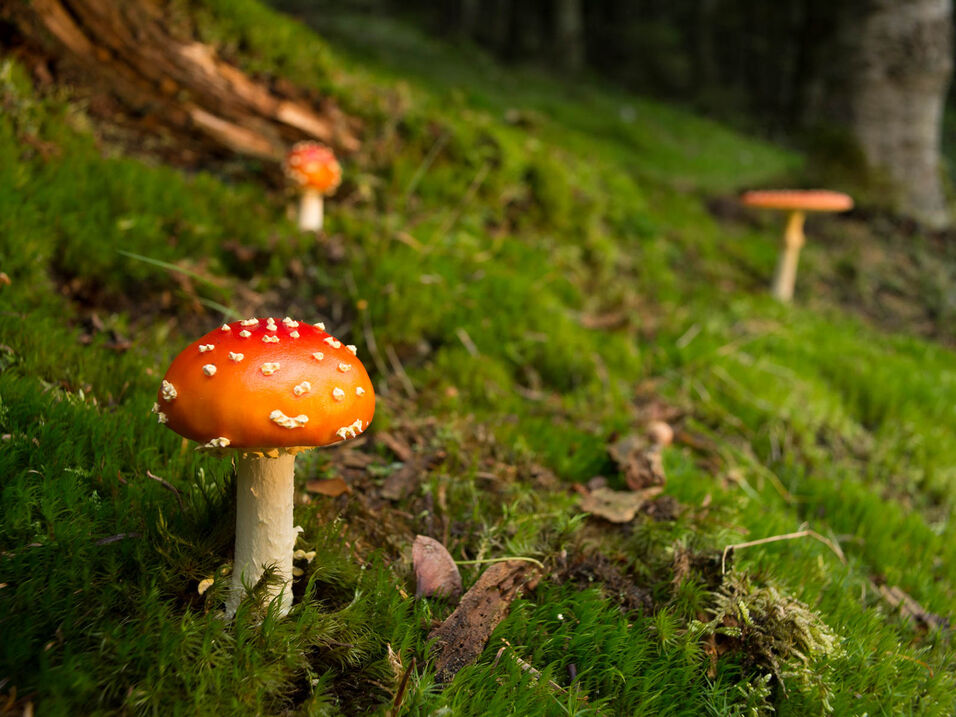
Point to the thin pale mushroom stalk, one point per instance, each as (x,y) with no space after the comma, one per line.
(265,530)
(311,210)
(793,241)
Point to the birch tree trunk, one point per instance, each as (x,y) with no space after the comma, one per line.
(885,78)
(569,34)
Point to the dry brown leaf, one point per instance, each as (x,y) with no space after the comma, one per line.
(435,571)
(332,487)
(617,506)
(403,481)
(396,445)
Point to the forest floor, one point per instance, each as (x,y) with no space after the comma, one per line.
(533,271)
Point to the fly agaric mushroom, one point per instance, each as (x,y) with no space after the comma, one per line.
(316,170)
(798,202)
(264,392)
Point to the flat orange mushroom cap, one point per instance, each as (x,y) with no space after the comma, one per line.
(806,200)
(313,165)
(262,384)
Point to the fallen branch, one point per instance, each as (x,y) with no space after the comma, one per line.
(464,634)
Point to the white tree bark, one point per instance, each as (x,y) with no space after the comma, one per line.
(265,535)
(885,78)
(569,34)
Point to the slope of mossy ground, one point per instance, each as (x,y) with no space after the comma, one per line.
(493,219)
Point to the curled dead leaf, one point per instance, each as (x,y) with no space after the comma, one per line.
(660,433)
(617,506)
(639,461)
(435,571)
(332,487)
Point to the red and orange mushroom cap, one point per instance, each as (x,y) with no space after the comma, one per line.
(805,200)
(261,385)
(313,165)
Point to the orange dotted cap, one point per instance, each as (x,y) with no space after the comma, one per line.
(807,200)
(313,165)
(258,384)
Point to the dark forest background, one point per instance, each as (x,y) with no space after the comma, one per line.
(860,82)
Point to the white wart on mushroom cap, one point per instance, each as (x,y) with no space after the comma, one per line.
(263,383)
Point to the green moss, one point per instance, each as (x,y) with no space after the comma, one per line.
(492,217)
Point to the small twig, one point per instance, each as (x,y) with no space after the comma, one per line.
(372,345)
(530,669)
(466,199)
(526,667)
(400,693)
(116,538)
(529,394)
(911,659)
(399,371)
(466,341)
(500,560)
(688,336)
(776,538)
(170,487)
(424,166)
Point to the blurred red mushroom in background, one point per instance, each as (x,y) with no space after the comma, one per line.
(314,168)
(798,202)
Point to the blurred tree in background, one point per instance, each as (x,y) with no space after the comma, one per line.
(872,72)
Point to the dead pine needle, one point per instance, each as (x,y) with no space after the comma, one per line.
(400,692)
(399,371)
(373,345)
(911,659)
(526,667)
(168,486)
(466,199)
(424,167)
(806,533)
(530,669)
(466,341)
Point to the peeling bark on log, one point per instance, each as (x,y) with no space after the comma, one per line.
(464,634)
(126,48)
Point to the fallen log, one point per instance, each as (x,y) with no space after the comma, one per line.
(125,48)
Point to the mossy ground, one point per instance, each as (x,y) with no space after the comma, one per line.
(492,216)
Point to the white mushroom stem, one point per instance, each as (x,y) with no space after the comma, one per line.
(265,535)
(311,213)
(793,240)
